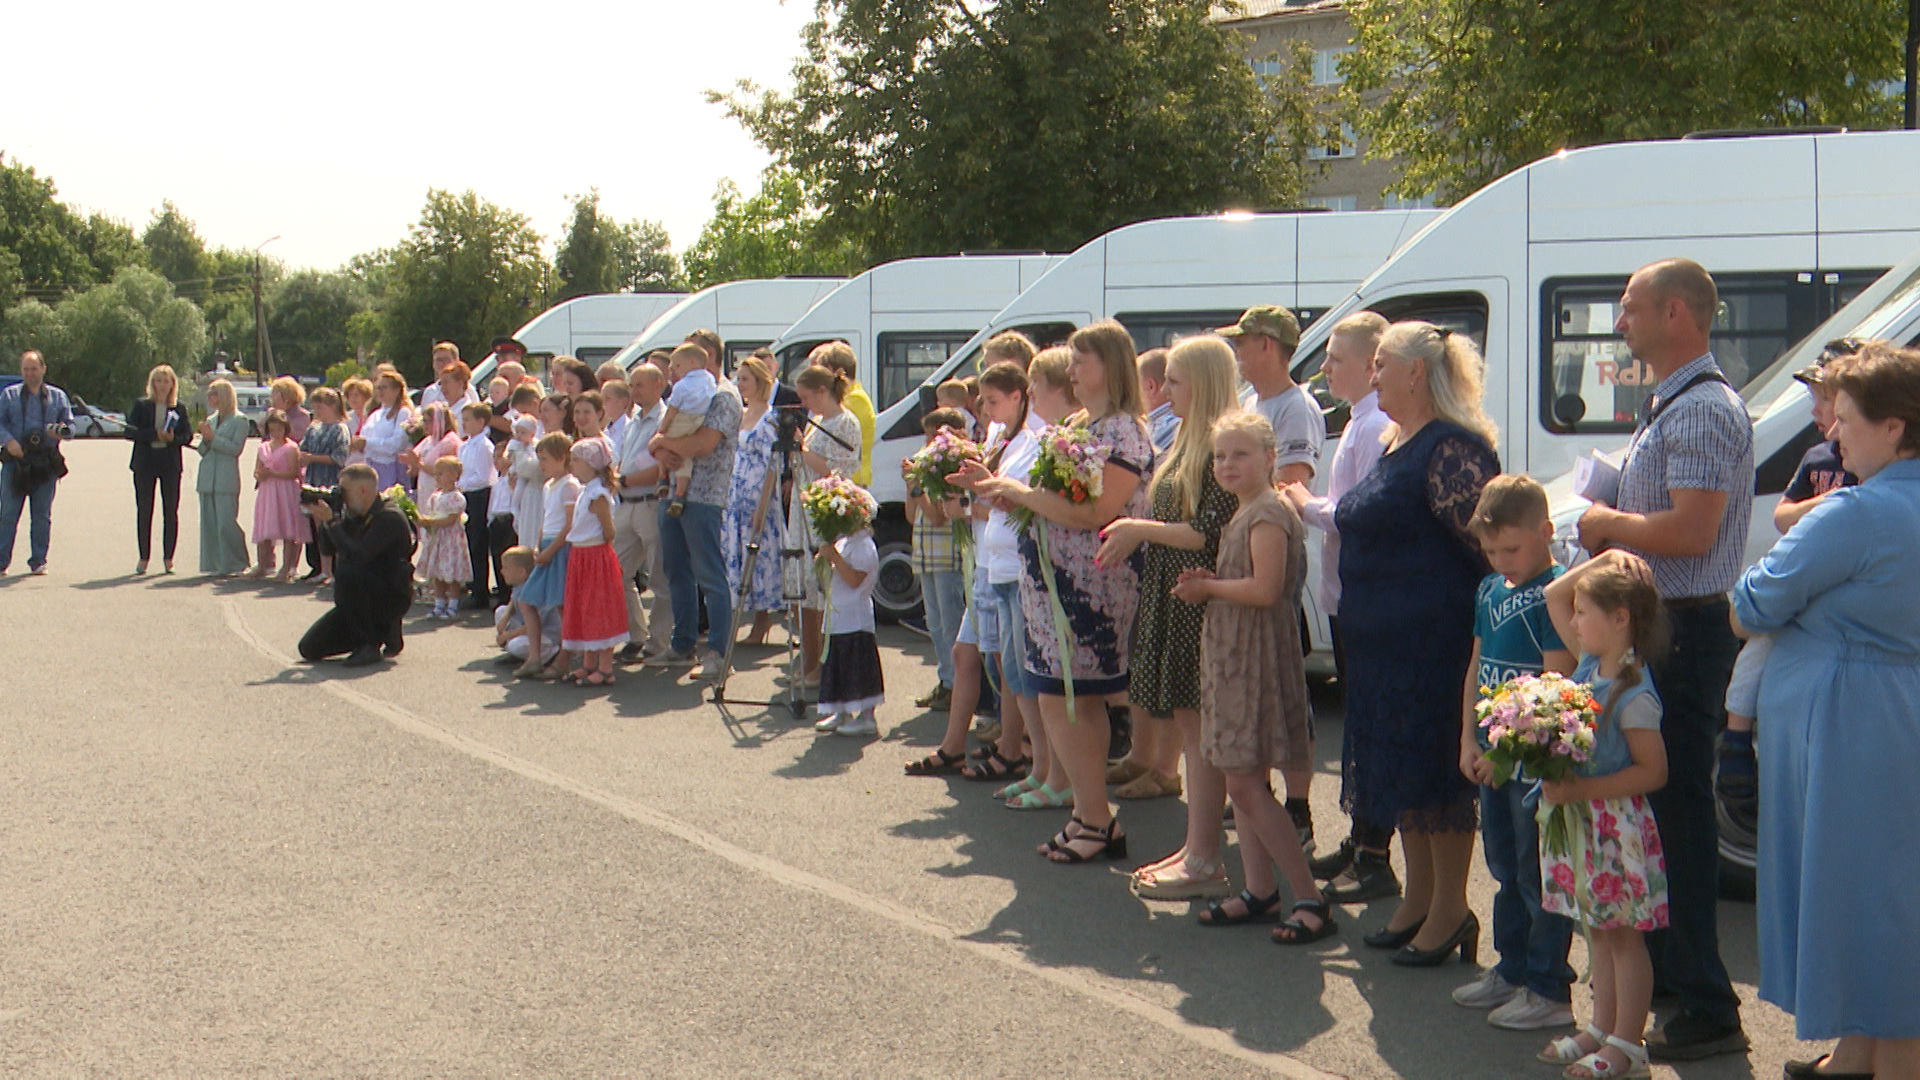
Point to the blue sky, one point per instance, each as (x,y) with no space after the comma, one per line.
(326,124)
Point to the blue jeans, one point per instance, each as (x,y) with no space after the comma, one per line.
(690,551)
(1532,943)
(944,595)
(39,532)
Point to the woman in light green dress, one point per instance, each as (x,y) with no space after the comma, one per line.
(223,546)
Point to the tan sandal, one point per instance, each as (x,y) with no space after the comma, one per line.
(1121,772)
(1182,881)
(1148,785)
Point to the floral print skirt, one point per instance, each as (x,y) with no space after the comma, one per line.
(1626,871)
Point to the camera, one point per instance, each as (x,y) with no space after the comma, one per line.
(789,421)
(329,495)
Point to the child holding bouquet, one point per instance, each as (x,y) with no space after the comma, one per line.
(942,533)
(841,513)
(1619,889)
(832,447)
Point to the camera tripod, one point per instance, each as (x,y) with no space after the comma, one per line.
(796,556)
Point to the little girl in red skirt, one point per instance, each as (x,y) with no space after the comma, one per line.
(593,618)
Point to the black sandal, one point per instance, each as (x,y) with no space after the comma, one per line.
(1258,909)
(1060,849)
(1295,932)
(938,763)
(993,766)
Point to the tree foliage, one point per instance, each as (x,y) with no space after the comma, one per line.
(1460,92)
(467,272)
(48,248)
(931,126)
(600,255)
(772,233)
(307,317)
(174,247)
(102,342)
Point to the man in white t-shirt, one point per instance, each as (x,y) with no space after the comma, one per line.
(1263,343)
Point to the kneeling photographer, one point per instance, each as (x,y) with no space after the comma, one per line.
(372,544)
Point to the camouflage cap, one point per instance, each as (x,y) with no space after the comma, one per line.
(1270,320)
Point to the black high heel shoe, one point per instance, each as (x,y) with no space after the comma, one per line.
(1466,939)
(1384,938)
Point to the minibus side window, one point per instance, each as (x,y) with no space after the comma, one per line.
(1592,385)
(906,361)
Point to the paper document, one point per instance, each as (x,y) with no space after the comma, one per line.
(1596,477)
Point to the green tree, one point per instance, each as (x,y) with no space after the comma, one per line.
(46,248)
(174,247)
(307,317)
(599,255)
(928,127)
(773,233)
(467,271)
(1460,92)
(102,342)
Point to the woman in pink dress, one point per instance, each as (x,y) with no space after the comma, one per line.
(276,500)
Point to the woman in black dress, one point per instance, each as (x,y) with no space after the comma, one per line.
(160,430)
(1408,571)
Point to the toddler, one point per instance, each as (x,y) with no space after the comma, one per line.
(850,683)
(693,390)
(442,556)
(510,628)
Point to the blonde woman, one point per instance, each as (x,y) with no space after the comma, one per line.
(384,436)
(160,430)
(1190,509)
(223,434)
(1409,568)
(1099,602)
(290,398)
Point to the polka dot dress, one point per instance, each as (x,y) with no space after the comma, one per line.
(1166,631)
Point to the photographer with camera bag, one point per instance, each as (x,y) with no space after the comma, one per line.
(34,417)
(372,543)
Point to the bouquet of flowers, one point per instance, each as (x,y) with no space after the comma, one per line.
(1542,725)
(1070,465)
(929,468)
(398,496)
(838,507)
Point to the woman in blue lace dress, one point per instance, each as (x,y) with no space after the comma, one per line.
(1408,571)
(750,465)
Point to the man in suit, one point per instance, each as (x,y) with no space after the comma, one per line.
(373,574)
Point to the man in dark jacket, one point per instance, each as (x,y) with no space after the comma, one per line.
(372,572)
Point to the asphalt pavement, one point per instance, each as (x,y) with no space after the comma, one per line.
(220,861)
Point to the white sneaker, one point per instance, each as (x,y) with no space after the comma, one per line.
(1528,1011)
(1486,992)
(829,724)
(859,727)
(710,670)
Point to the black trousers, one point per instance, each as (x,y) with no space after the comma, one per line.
(144,484)
(479,543)
(501,535)
(1693,693)
(363,614)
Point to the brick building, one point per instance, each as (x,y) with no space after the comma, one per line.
(1346,180)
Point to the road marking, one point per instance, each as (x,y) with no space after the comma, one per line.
(1210,1038)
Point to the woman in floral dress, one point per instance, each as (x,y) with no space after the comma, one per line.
(750,465)
(1098,603)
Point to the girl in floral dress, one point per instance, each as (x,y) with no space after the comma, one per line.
(442,560)
(1098,602)
(1619,889)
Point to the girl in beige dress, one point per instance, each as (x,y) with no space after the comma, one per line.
(1253,706)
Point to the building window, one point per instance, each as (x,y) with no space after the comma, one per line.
(1265,69)
(1345,148)
(1402,202)
(1334,202)
(1326,66)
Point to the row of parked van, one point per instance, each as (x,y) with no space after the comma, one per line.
(1532,266)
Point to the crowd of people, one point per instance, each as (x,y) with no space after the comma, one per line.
(601,514)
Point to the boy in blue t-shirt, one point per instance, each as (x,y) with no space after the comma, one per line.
(1532,986)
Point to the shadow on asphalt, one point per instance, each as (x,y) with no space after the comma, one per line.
(1266,996)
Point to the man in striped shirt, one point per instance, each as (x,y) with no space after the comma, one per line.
(1686,499)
